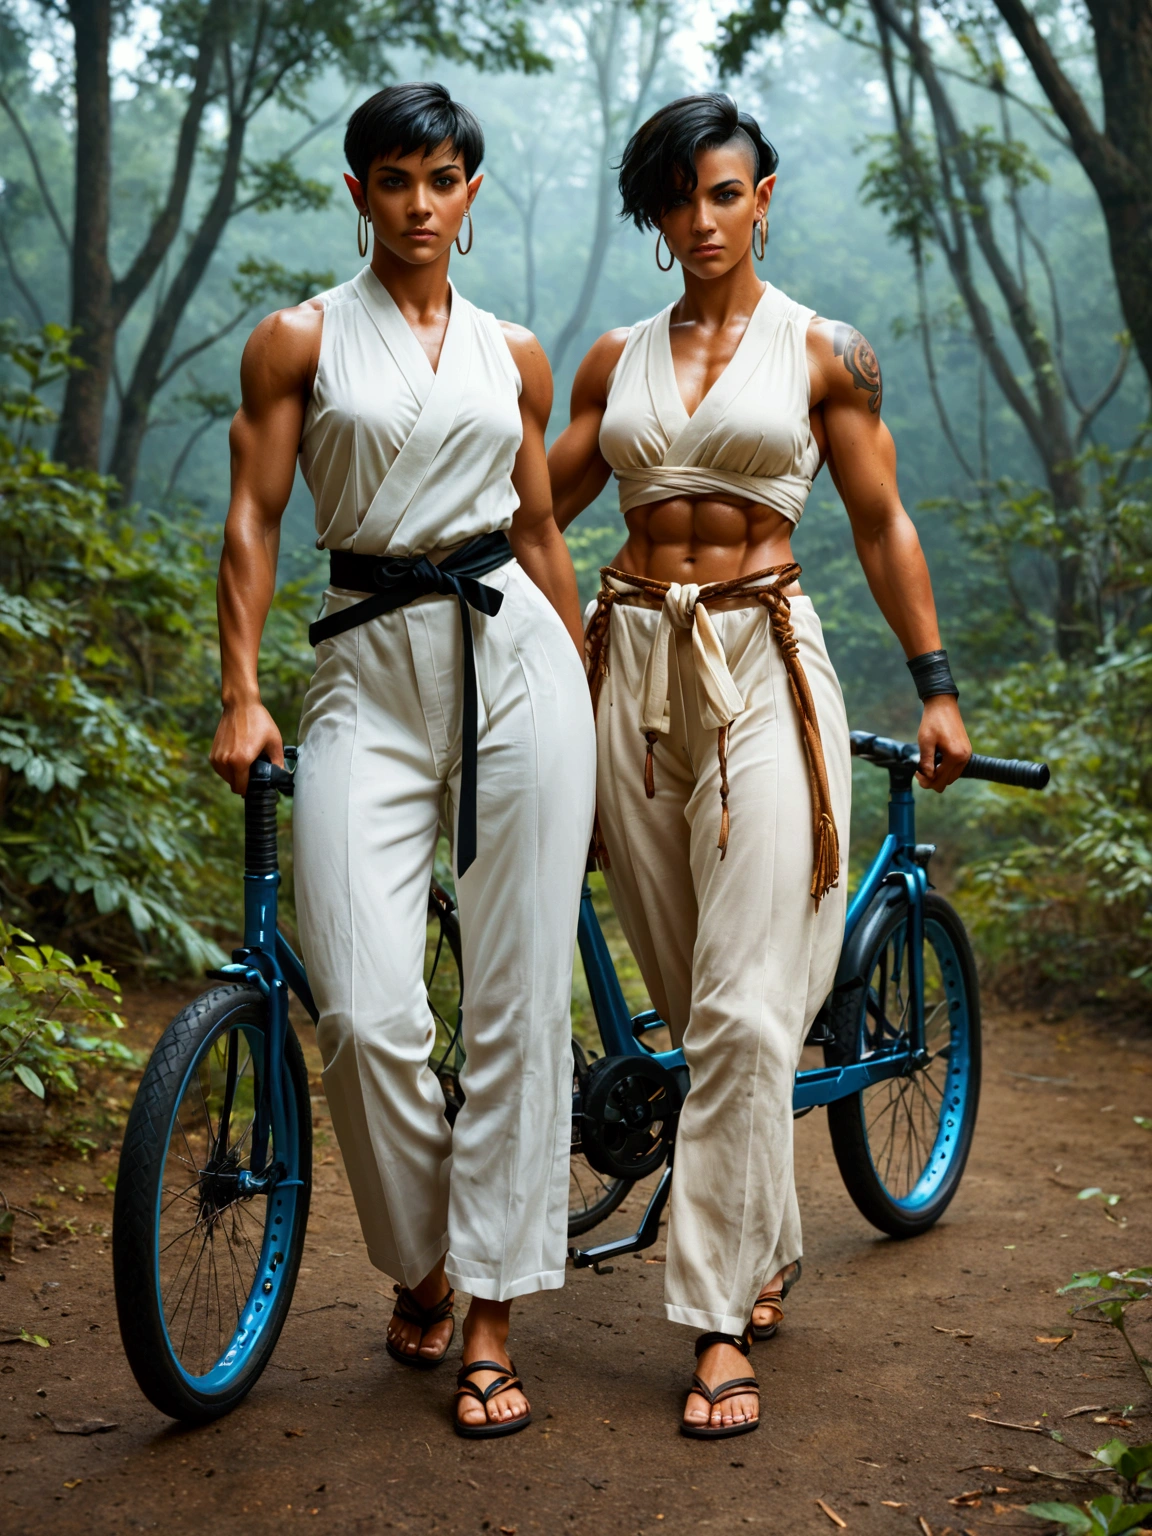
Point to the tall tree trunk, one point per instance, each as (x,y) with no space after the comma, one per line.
(1117,159)
(82,417)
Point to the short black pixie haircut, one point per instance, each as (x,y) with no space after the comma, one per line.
(400,119)
(660,158)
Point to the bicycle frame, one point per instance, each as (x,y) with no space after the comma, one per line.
(899,860)
(266,960)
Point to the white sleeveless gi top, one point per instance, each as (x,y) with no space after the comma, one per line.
(401,459)
(749,437)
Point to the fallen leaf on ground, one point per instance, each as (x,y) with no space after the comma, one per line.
(924,1526)
(863,1460)
(290,1434)
(970,1499)
(1053,1338)
(1085,1408)
(957,1333)
(1115,1419)
(75,1483)
(507,1530)
(892,1504)
(832,1515)
(22,1336)
(83,1426)
(1031,1429)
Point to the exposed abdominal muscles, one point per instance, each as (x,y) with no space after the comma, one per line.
(703,539)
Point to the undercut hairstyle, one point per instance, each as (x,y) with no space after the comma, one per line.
(659,161)
(401,119)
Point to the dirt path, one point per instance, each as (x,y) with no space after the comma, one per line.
(871,1392)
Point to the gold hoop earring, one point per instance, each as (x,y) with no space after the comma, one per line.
(762,226)
(464,249)
(362,234)
(671,258)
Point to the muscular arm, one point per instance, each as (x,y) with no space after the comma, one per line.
(274,376)
(536,541)
(576,466)
(862,463)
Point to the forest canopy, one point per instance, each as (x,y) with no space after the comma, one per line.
(968,183)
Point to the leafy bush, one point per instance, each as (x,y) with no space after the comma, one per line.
(115,836)
(38,1047)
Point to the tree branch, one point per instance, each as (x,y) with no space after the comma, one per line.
(1100,158)
(202,345)
(127,289)
(21,286)
(37,171)
(1089,413)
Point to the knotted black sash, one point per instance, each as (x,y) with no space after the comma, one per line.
(395,581)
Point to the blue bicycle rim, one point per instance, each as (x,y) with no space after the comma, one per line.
(270,1271)
(955,1088)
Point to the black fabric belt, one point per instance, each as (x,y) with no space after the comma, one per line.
(395,581)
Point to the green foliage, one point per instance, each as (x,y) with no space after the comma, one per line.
(1106,1516)
(114,834)
(1120,1290)
(1133,1463)
(54,1015)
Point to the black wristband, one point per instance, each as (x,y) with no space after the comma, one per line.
(932,675)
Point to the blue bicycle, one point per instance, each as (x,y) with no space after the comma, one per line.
(215,1171)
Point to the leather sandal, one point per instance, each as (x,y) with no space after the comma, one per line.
(409,1310)
(506,1378)
(740,1386)
(762,1331)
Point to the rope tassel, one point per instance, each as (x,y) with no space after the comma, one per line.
(722,752)
(651,737)
(826,865)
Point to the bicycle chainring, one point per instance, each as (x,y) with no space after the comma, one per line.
(629,1109)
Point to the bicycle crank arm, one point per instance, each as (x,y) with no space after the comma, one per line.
(645,1235)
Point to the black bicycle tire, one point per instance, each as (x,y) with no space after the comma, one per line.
(846,1116)
(142,1161)
(616,1191)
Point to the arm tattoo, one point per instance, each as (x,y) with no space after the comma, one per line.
(861,363)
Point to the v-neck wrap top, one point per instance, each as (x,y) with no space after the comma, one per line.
(750,437)
(402,459)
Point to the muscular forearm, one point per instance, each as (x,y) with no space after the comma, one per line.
(897,575)
(544,556)
(244,593)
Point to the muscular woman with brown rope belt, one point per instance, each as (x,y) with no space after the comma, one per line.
(723,761)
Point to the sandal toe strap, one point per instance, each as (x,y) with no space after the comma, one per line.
(505,1380)
(740,1386)
(409,1310)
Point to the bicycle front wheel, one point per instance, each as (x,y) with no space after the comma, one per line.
(210,1210)
(902,1144)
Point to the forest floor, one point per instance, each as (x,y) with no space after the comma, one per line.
(932,1340)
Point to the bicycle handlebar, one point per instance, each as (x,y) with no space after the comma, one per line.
(887,753)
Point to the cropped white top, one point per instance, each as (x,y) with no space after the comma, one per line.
(402,459)
(749,437)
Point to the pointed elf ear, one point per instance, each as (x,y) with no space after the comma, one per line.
(356,190)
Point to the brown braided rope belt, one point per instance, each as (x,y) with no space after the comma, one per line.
(686,607)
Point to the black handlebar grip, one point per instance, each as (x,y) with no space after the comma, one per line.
(260,856)
(1005,770)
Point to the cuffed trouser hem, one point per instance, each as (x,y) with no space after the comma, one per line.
(411,1274)
(706,1322)
(490,1289)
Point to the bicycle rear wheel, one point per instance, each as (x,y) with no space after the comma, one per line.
(210,1210)
(902,1144)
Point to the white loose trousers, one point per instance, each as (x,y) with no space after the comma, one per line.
(379,768)
(733,952)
